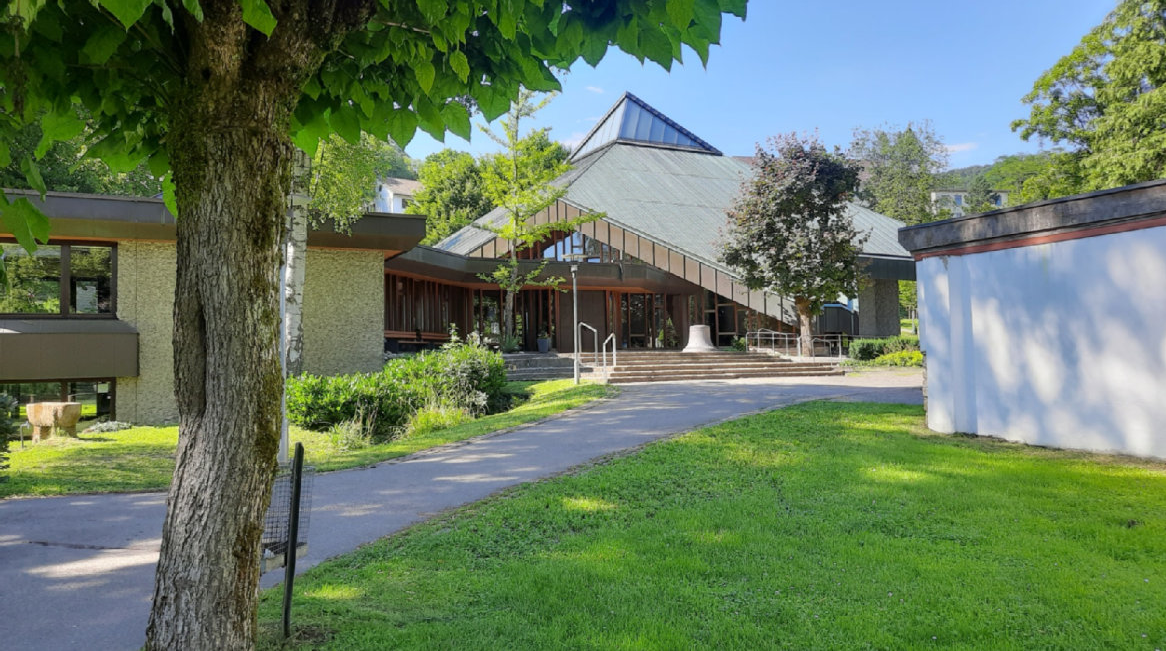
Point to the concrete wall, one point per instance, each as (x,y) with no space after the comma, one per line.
(1060,344)
(878,309)
(146,273)
(344,311)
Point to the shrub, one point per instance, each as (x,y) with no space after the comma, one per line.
(900,358)
(433,417)
(106,426)
(865,349)
(868,349)
(8,427)
(465,376)
(354,433)
(740,345)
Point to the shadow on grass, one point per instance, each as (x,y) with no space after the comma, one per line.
(818,526)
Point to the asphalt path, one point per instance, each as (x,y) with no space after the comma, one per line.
(76,572)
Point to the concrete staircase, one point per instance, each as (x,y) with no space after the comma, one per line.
(522,367)
(673,366)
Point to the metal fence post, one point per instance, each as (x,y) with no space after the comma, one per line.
(293,530)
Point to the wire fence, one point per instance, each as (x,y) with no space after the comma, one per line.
(277,521)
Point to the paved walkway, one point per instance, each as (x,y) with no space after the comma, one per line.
(76,572)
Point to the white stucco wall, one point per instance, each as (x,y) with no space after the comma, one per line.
(1060,344)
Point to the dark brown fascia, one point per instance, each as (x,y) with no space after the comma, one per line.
(1080,212)
(442,265)
(111,218)
(67,349)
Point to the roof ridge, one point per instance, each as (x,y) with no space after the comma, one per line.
(654,137)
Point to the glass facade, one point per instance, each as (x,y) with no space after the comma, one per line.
(58,280)
(95,396)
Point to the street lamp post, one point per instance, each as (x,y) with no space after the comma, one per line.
(575,329)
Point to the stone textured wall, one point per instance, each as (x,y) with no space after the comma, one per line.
(146,274)
(343,321)
(343,311)
(878,309)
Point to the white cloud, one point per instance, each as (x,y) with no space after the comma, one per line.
(961,146)
(591,120)
(595,89)
(574,139)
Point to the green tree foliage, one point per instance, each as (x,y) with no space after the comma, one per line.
(1106,102)
(451,194)
(900,170)
(519,181)
(788,229)
(212,95)
(1025,177)
(343,177)
(981,196)
(65,168)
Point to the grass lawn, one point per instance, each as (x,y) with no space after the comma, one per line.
(142,458)
(819,526)
(909,326)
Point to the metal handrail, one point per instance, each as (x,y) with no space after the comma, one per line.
(791,340)
(611,338)
(594,332)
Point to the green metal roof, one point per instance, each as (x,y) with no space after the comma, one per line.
(676,198)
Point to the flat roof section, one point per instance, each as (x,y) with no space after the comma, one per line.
(105,217)
(1142,205)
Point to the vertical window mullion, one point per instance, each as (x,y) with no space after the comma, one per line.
(66,279)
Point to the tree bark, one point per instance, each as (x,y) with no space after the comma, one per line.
(805,326)
(294,266)
(231,159)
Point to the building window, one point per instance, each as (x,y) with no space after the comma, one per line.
(58,280)
(96,396)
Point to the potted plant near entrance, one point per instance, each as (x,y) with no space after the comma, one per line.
(544,341)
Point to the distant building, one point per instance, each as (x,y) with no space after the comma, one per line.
(394,195)
(957,200)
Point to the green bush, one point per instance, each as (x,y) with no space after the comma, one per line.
(865,350)
(8,427)
(740,345)
(465,376)
(899,358)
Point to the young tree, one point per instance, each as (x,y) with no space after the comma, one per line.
(336,185)
(1106,100)
(519,181)
(788,229)
(981,197)
(214,95)
(900,170)
(451,194)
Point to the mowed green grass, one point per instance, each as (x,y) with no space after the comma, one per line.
(142,458)
(820,526)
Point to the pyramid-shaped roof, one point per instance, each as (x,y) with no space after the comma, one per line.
(632,120)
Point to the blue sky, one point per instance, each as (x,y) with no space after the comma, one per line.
(833,66)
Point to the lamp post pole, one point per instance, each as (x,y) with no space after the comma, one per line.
(575,330)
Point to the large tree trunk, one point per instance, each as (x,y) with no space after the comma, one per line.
(231,159)
(805,327)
